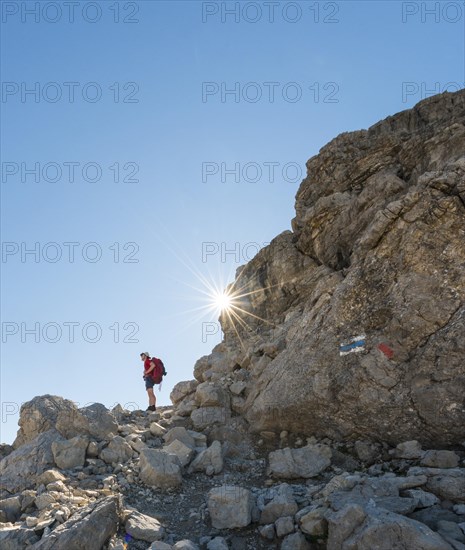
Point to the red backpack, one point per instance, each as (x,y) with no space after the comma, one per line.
(159,371)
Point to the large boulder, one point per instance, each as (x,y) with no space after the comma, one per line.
(296,541)
(182,389)
(447,484)
(88,528)
(10,509)
(208,394)
(181,450)
(230,506)
(204,417)
(218,543)
(143,527)
(15,537)
(157,429)
(282,504)
(382,491)
(358,528)
(365,297)
(313,521)
(21,468)
(160,469)
(222,360)
(304,462)
(47,412)
(181,434)
(40,415)
(186,406)
(94,420)
(51,476)
(71,453)
(440,459)
(118,451)
(209,461)
(185,544)
(424,499)
(432,515)
(409,450)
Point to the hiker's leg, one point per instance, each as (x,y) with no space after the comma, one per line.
(152,400)
(149,387)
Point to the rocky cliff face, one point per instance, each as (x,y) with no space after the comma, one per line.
(377,252)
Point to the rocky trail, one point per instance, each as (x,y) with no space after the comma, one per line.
(332,417)
(218,488)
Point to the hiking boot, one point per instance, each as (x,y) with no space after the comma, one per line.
(151,408)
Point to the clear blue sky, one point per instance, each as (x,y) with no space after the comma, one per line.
(174,131)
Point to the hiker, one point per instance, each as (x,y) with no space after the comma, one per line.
(149,366)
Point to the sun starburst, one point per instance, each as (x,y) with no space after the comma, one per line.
(234,304)
(223,301)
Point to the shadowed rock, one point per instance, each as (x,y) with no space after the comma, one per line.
(20,469)
(88,529)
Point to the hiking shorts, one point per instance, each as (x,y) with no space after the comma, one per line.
(149,383)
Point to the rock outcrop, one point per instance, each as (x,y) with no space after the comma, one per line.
(52,412)
(352,324)
(330,417)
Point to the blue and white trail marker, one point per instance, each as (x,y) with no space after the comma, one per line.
(354,345)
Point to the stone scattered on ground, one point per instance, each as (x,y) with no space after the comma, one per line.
(190,489)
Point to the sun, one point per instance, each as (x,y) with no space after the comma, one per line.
(223,301)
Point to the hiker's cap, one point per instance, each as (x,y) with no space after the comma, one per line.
(145,353)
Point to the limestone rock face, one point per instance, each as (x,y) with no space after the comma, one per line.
(20,469)
(376,252)
(40,415)
(355,337)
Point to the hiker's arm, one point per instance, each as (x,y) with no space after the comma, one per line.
(152,366)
